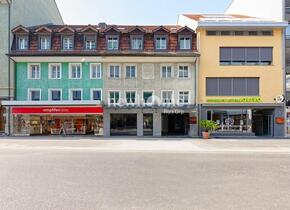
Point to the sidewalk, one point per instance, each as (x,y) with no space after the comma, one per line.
(133,144)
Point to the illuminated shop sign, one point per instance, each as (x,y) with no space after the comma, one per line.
(235,100)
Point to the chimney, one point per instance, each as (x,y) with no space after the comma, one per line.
(102,25)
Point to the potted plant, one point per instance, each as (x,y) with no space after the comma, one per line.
(207,126)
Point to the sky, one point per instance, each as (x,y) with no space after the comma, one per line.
(135,11)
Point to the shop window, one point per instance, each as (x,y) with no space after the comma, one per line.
(166,72)
(54,71)
(114,97)
(96,94)
(33,71)
(76,94)
(55,95)
(114,71)
(34,94)
(75,71)
(184,97)
(130,71)
(232,86)
(131,97)
(183,72)
(95,71)
(167,97)
(148,97)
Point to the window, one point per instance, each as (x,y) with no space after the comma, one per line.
(96,94)
(130,71)
(34,71)
(114,97)
(54,71)
(183,72)
(239,33)
(246,56)
(34,94)
(232,86)
(113,43)
(212,33)
(183,97)
(22,43)
(137,43)
(253,33)
(90,42)
(185,43)
(161,43)
(114,71)
(67,43)
(45,42)
(131,97)
(148,97)
(166,72)
(76,94)
(95,71)
(75,71)
(55,94)
(167,97)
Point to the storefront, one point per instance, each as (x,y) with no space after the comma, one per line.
(2,119)
(246,120)
(56,120)
(157,121)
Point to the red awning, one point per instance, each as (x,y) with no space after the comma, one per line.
(58,110)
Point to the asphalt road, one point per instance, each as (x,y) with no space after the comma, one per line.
(84,180)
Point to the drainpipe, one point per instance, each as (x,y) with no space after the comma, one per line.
(9,64)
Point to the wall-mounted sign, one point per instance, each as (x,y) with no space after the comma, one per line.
(235,100)
(280,99)
(280,120)
(193,120)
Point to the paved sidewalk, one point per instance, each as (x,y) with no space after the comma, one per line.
(130,144)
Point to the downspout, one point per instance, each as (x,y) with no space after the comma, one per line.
(9,64)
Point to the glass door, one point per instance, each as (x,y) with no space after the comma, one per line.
(148,124)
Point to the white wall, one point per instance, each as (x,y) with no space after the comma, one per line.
(269,9)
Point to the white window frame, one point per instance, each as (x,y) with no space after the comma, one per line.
(109,99)
(47,43)
(133,45)
(172,71)
(113,37)
(29,72)
(50,70)
(185,37)
(178,71)
(131,91)
(50,95)
(91,71)
(89,42)
(70,70)
(75,89)
(153,92)
(172,99)
(189,97)
(162,46)
(130,65)
(29,96)
(66,46)
(120,71)
(20,44)
(96,89)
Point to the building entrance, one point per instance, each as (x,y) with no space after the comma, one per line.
(263,122)
(175,124)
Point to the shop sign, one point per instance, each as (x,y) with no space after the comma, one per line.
(193,120)
(173,111)
(58,110)
(280,120)
(235,100)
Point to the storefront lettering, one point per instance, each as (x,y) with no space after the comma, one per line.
(236,100)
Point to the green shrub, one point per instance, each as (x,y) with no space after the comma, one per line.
(208,125)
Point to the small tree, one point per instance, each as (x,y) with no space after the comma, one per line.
(208,125)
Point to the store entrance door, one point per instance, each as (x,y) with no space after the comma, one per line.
(263,122)
(175,124)
(148,124)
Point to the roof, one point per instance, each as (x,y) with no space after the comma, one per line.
(232,20)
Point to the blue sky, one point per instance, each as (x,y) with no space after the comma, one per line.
(135,11)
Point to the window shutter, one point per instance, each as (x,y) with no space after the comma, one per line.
(212,86)
(225,54)
(238,54)
(252,54)
(266,54)
(239,87)
(225,87)
(253,87)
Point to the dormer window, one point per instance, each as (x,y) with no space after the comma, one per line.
(22,43)
(112,42)
(45,42)
(184,43)
(136,42)
(67,42)
(160,43)
(90,42)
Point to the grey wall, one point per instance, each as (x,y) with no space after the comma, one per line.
(26,13)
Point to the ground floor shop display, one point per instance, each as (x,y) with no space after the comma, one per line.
(2,119)
(246,121)
(57,121)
